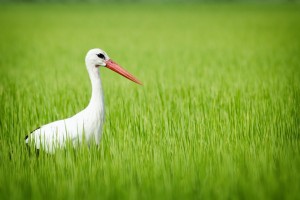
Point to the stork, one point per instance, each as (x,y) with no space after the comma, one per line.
(86,125)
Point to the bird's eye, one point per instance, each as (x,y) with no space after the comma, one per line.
(100,55)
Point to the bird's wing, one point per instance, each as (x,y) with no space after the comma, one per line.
(48,135)
(55,134)
(27,136)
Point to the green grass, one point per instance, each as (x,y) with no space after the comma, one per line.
(217,117)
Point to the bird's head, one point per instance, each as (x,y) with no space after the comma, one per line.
(96,58)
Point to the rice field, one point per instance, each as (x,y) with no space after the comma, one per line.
(216,118)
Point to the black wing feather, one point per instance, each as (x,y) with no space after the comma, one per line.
(31,132)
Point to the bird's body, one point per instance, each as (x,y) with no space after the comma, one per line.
(87,124)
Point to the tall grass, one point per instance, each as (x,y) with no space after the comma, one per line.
(217,117)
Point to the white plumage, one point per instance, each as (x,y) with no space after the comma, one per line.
(87,124)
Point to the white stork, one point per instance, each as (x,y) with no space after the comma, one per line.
(87,124)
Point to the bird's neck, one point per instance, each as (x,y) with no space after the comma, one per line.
(96,102)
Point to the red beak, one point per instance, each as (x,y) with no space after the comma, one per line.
(117,68)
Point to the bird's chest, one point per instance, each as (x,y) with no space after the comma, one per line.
(93,124)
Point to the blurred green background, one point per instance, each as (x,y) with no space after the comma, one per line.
(217,117)
(150,1)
